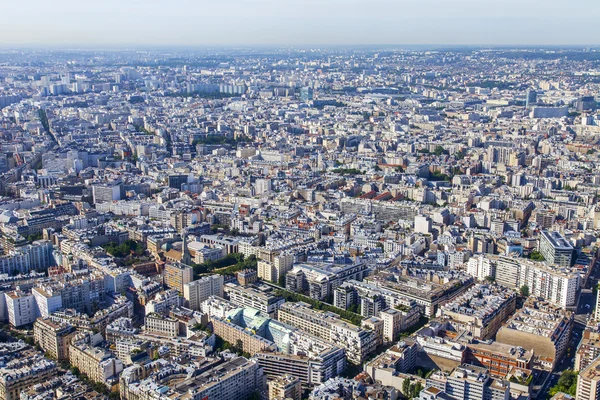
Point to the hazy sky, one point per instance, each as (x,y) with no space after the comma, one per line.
(295,22)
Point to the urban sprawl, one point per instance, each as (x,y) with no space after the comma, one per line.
(300,224)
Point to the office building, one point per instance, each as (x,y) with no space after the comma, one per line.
(555,249)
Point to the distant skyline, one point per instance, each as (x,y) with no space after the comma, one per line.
(298,22)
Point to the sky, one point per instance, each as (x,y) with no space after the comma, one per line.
(299,22)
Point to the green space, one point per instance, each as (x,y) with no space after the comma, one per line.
(220,139)
(567,383)
(228,265)
(124,249)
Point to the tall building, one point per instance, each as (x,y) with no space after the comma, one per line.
(588,382)
(530,98)
(555,249)
(176,275)
(197,291)
(106,193)
(175,181)
(306,94)
(556,285)
(21,308)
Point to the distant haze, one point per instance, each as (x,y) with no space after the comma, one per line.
(298,22)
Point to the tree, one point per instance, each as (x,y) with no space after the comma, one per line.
(536,256)
(490,279)
(239,347)
(416,389)
(524,290)
(406,387)
(567,383)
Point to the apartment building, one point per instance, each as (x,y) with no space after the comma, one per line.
(285,387)
(197,291)
(357,342)
(161,325)
(176,275)
(588,382)
(235,379)
(53,337)
(470,382)
(559,286)
(23,370)
(541,326)
(262,299)
(481,310)
(97,363)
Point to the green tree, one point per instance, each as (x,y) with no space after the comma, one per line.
(536,256)
(524,290)
(415,389)
(567,383)
(406,387)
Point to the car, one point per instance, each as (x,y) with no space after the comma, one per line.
(587,306)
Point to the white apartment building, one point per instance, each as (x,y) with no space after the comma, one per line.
(197,291)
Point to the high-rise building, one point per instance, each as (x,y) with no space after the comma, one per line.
(106,193)
(306,94)
(197,291)
(175,181)
(176,275)
(531,98)
(555,249)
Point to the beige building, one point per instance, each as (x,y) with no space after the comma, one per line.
(231,333)
(98,364)
(158,324)
(176,275)
(481,310)
(541,326)
(588,382)
(285,387)
(53,337)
